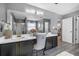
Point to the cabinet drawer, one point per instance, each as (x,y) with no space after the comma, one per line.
(24,43)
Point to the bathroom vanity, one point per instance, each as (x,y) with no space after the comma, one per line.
(21,46)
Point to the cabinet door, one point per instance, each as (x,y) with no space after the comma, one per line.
(7,49)
(23,48)
(54,43)
(49,43)
(26,48)
(17,49)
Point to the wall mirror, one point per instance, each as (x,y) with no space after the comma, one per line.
(37,25)
(46,25)
(20,23)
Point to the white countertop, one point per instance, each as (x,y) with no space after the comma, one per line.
(23,37)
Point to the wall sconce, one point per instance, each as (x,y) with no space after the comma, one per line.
(54,28)
(58,25)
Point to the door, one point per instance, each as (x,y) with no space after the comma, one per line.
(67,30)
(76,29)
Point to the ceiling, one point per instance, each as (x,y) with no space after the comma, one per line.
(60,8)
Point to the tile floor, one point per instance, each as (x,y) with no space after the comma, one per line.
(70,48)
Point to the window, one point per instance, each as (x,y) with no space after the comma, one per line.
(31,25)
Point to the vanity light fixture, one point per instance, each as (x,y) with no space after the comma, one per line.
(32,11)
(40,13)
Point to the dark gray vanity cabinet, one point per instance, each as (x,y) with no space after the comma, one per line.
(26,48)
(51,42)
(23,48)
(54,41)
(6,49)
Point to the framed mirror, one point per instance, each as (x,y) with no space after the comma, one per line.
(18,25)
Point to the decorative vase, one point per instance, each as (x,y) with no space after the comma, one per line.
(18,34)
(18,30)
(8,34)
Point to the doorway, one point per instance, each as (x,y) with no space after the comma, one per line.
(70,30)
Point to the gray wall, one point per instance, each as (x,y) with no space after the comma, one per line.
(47,14)
(22,6)
(2,11)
